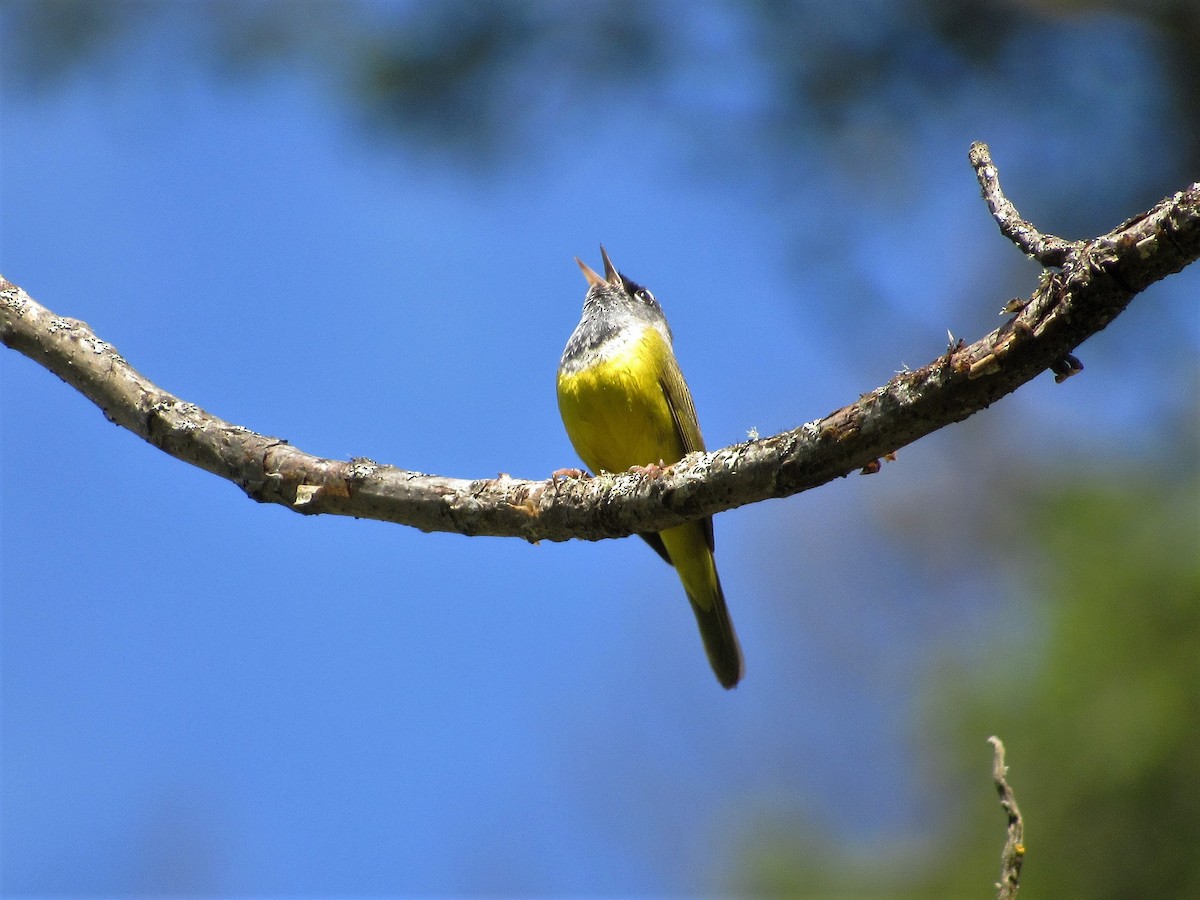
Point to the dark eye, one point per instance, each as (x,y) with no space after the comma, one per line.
(644,295)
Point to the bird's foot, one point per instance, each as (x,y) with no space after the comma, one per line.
(567,473)
(653,470)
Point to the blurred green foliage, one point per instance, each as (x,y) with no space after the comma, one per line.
(1102,734)
(1100,712)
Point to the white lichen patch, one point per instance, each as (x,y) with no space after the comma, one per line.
(362,468)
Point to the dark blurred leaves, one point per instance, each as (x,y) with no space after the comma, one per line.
(491,78)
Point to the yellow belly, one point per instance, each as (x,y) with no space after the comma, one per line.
(616,413)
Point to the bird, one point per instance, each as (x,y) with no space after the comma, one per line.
(625,405)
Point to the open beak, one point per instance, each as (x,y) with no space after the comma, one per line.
(610,271)
(592,278)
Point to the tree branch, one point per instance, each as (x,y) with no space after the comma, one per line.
(1097,280)
(1014,846)
(1047,249)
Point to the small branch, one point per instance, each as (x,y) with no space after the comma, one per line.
(1014,847)
(1097,281)
(1047,249)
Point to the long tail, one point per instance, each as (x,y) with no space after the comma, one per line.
(693,560)
(720,640)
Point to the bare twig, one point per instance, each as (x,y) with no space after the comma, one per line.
(1014,846)
(1045,248)
(1097,281)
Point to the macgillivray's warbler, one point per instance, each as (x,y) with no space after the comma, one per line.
(625,405)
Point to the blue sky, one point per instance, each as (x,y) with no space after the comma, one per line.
(205,695)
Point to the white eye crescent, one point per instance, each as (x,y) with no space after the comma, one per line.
(644,295)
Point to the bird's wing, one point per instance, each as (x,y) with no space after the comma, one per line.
(679,399)
(683,412)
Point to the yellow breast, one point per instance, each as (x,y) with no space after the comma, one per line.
(616,411)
